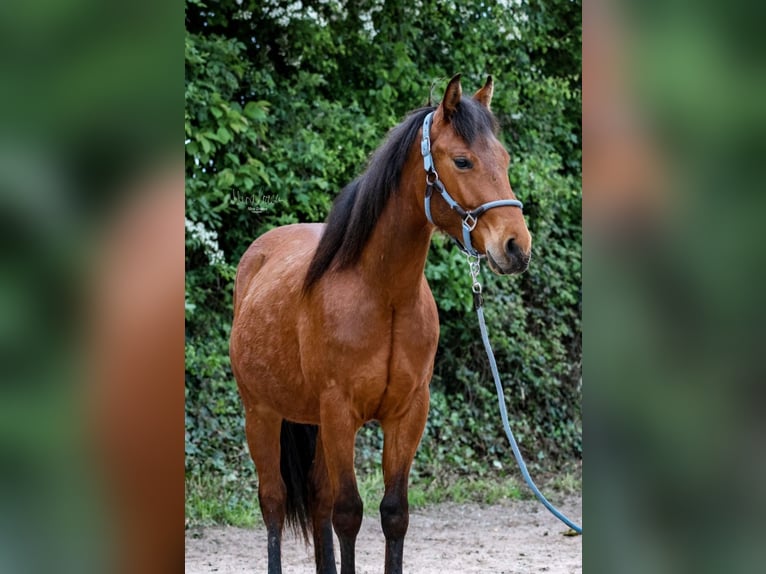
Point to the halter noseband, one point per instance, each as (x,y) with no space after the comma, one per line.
(469,218)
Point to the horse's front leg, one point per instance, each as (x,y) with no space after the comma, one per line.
(401,437)
(321,501)
(338,432)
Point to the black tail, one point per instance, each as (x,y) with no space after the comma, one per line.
(298,442)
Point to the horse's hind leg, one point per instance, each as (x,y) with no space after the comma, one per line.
(320,500)
(263,428)
(401,437)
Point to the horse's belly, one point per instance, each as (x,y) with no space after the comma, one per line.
(268,371)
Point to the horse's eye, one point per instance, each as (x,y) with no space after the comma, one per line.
(463,163)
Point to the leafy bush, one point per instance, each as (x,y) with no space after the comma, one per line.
(283,106)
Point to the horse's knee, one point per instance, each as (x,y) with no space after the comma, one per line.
(394,516)
(320,491)
(347,513)
(273,504)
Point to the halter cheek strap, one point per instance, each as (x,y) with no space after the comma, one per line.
(468,218)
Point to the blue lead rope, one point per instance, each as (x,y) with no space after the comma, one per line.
(478,304)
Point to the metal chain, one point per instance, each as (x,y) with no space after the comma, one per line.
(475,268)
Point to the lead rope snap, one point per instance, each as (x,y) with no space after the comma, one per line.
(474,264)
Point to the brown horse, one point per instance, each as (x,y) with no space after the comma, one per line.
(335,325)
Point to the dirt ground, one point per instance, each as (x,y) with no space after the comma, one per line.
(513,537)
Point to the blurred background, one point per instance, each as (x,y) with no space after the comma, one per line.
(91,286)
(673,176)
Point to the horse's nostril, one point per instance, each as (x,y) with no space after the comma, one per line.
(511,247)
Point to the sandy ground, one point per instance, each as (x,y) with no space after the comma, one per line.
(514,537)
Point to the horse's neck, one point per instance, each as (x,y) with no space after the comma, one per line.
(395,256)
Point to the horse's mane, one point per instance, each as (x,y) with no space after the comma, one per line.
(359,205)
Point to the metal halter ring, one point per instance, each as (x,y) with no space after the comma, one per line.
(469,222)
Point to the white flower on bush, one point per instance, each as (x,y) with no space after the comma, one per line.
(207,239)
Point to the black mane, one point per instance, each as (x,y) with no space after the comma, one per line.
(359,205)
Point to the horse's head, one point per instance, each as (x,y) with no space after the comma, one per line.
(472,168)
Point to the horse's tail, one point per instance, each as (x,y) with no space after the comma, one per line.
(298,443)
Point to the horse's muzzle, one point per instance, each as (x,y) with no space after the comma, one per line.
(514,260)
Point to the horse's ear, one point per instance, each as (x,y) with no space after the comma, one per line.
(451,98)
(484,95)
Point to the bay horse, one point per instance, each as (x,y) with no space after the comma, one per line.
(335,324)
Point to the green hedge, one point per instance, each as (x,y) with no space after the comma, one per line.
(284,106)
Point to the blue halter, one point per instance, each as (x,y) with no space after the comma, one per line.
(469,218)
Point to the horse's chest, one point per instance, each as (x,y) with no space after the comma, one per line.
(373,350)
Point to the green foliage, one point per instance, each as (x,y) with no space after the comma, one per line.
(283,107)
(222,499)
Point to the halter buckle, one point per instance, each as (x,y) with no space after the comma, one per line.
(425,146)
(428,162)
(469,222)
